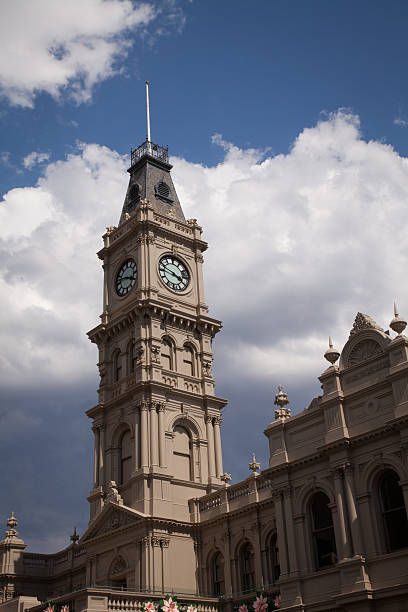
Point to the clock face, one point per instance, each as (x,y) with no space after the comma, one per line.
(126,277)
(174,273)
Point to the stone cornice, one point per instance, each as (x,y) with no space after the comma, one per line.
(323,451)
(147,220)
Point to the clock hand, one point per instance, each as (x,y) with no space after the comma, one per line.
(175,274)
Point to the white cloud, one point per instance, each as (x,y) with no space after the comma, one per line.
(5,158)
(400,122)
(34,158)
(69,47)
(298,244)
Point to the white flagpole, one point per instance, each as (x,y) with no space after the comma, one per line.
(148,116)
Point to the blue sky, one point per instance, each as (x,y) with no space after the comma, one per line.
(287,124)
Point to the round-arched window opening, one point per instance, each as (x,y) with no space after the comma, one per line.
(163,190)
(393,511)
(217,575)
(324,542)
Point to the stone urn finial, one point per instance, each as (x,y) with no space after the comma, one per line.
(281,400)
(398,324)
(12,522)
(75,537)
(331,354)
(225,478)
(254,466)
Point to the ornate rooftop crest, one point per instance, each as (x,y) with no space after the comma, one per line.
(362,322)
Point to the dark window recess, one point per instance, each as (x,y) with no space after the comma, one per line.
(323,531)
(393,511)
(134,192)
(247,570)
(217,570)
(163,190)
(133,197)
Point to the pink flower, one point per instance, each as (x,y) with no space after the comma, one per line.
(191,608)
(243,608)
(277,601)
(169,605)
(64,609)
(149,606)
(50,608)
(260,604)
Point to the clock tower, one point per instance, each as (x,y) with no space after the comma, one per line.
(157,421)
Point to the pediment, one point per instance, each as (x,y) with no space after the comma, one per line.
(112,519)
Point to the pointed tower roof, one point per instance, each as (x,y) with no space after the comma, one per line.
(150,178)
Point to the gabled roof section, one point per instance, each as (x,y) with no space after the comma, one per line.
(112,518)
(150,179)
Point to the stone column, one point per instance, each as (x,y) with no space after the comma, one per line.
(143,434)
(162,451)
(352,510)
(210,447)
(218,450)
(102,455)
(404,487)
(344,544)
(136,442)
(280,528)
(300,532)
(154,439)
(96,455)
(290,534)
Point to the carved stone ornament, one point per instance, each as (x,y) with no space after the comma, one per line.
(362,322)
(363,351)
(155,350)
(112,522)
(112,494)
(118,566)
(207,365)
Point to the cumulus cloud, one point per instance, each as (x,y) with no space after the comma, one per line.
(69,47)
(34,158)
(298,244)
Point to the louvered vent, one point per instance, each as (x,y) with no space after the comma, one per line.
(163,190)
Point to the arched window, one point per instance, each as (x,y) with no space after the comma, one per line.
(189,360)
(117,366)
(246,566)
(131,354)
(167,354)
(125,457)
(324,542)
(182,463)
(393,511)
(217,575)
(272,554)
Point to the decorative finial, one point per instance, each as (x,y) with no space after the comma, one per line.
(281,400)
(225,477)
(75,537)
(254,465)
(398,324)
(12,522)
(331,354)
